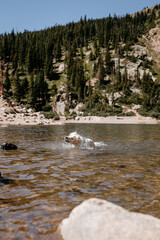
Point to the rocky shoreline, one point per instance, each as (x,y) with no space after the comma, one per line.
(12,113)
(115,120)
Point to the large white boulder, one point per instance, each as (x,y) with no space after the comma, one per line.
(96,219)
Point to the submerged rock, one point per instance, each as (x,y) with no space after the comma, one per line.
(4,180)
(97,219)
(8,146)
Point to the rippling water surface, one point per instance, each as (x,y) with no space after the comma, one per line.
(49,177)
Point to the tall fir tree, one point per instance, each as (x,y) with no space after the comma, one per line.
(16,88)
(31,97)
(7,83)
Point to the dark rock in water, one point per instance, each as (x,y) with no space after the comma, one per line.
(5,180)
(122,166)
(8,146)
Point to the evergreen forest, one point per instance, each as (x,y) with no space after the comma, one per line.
(84,63)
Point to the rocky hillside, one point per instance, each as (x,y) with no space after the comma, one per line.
(133,62)
(141,59)
(101,67)
(152,43)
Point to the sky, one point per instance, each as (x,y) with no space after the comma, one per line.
(33,15)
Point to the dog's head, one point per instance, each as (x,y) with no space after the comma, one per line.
(74,138)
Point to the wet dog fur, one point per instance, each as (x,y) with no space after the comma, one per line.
(79,141)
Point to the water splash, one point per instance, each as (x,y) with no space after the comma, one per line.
(97,145)
(60,146)
(68,146)
(100,144)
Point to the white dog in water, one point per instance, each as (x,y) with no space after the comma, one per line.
(79,141)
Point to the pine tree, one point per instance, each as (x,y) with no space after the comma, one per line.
(95,69)
(7,82)
(101,70)
(91,56)
(15,62)
(24,87)
(118,83)
(80,80)
(58,50)
(125,82)
(97,49)
(29,60)
(54,89)
(22,53)
(108,62)
(137,78)
(41,89)
(49,67)
(81,53)
(31,92)
(73,76)
(16,88)
(71,66)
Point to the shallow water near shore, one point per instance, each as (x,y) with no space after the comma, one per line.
(50,177)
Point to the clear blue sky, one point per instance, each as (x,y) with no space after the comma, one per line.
(40,14)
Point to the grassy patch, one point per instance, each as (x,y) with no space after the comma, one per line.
(51,115)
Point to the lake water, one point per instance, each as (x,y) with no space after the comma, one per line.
(50,177)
